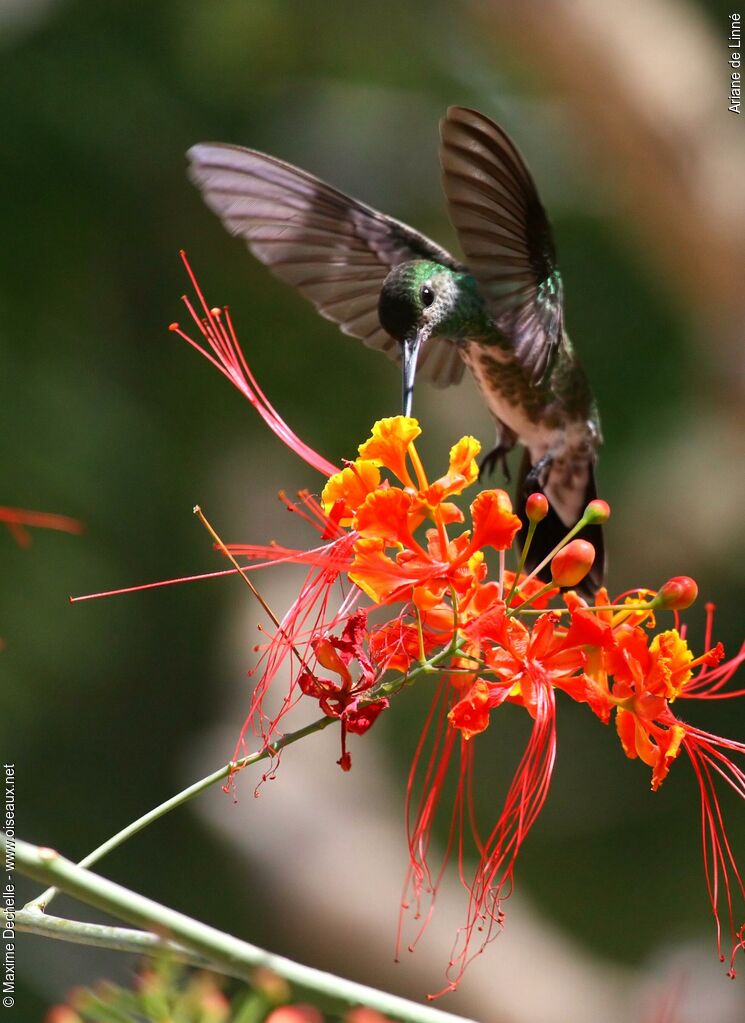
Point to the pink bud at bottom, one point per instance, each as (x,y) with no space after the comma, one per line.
(62,1014)
(364,1015)
(301,1013)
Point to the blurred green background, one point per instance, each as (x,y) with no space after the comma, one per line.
(106,416)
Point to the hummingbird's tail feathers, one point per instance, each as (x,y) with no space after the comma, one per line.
(551,530)
(335,250)
(504,231)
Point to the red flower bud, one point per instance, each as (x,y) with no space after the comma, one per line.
(536,507)
(62,1014)
(597,512)
(301,1013)
(572,563)
(364,1015)
(677,594)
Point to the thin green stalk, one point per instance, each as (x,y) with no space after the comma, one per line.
(225,951)
(521,563)
(42,901)
(562,543)
(631,608)
(118,939)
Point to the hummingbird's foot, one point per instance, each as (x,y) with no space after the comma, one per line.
(536,478)
(506,440)
(490,461)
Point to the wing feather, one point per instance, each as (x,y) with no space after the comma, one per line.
(335,250)
(505,234)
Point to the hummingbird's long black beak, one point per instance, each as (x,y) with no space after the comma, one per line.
(411,346)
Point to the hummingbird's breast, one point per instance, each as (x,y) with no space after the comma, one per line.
(533,413)
(557,418)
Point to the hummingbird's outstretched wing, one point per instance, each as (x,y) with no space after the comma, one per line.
(505,234)
(335,250)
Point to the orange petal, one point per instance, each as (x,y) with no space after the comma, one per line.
(374,572)
(494,522)
(471,714)
(463,459)
(389,444)
(626,728)
(669,748)
(327,656)
(385,514)
(462,471)
(394,645)
(350,486)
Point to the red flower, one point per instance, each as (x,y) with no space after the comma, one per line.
(387,536)
(344,699)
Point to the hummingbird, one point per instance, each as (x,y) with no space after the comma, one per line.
(501,313)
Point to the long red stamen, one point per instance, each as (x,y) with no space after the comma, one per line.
(18,520)
(229,359)
(705,753)
(277,555)
(419,880)
(492,882)
(156,585)
(307,617)
(710,680)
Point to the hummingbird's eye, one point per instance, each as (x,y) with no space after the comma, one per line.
(427,295)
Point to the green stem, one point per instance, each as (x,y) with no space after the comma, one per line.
(631,608)
(43,900)
(229,953)
(423,668)
(119,939)
(562,543)
(521,563)
(512,611)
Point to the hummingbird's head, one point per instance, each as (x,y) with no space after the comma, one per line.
(416,301)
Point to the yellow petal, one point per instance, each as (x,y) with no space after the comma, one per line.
(389,444)
(463,459)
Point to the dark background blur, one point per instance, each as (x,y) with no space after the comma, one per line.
(106,416)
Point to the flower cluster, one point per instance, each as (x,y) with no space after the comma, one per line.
(421,601)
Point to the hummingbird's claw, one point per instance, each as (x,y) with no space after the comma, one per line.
(536,478)
(496,457)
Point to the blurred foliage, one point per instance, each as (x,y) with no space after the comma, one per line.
(106,417)
(163,992)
